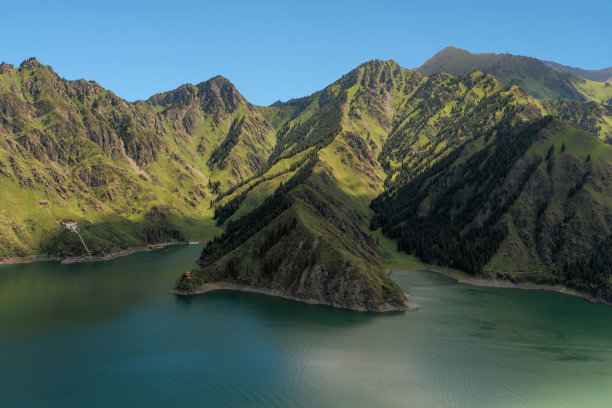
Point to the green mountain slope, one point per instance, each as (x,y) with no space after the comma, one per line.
(130,174)
(216,124)
(306,240)
(379,126)
(590,116)
(535,76)
(533,199)
(592,90)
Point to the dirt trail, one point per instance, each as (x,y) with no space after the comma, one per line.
(54,219)
(83,241)
(198,172)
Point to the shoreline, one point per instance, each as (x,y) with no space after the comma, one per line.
(107,257)
(462,277)
(459,276)
(237,287)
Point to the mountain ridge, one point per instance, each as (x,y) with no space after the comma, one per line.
(598,75)
(534,75)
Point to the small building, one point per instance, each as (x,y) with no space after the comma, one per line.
(43,202)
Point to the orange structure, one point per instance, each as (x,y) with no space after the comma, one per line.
(188,274)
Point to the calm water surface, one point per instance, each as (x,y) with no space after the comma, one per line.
(109,335)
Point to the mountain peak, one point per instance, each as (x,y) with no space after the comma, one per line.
(217,87)
(218,80)
(378,64)
(31,63)
(216,94)
(531,74)
(438,62)
(372,74)
(452,50)
(219,84)
(5,68)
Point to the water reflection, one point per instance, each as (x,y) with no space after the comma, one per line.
(109,334)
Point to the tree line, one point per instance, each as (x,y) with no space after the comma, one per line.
(460,225)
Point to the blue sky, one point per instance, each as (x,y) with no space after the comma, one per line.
(283,49)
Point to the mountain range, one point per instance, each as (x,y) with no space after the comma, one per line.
(494,164)
(541,79)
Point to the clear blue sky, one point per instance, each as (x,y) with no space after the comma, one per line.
(283,49)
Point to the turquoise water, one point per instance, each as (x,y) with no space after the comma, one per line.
(109,335)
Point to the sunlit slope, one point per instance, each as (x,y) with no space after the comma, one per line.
(115,166)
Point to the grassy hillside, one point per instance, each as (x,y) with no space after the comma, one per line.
(590,116)
(595,91)
(316,215)
(110,165)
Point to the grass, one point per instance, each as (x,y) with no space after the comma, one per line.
(589,207)
(256,196)
(577,143)
(390,256)
(595,91)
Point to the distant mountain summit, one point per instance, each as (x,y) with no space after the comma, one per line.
(536,77)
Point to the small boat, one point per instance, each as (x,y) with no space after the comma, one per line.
(68,261)
(193,243)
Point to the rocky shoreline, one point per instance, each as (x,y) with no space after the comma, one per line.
(216,286)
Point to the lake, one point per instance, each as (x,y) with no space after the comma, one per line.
(108,334)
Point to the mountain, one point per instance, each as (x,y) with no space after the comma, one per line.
(534,76)
(391,128)
(526,201)
(597,75)
(132,174)
(228,133)
(459,169)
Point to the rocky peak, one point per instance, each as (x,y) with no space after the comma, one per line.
(185,92)
(219,93)
(5,68)
(216,94)
(32,64)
